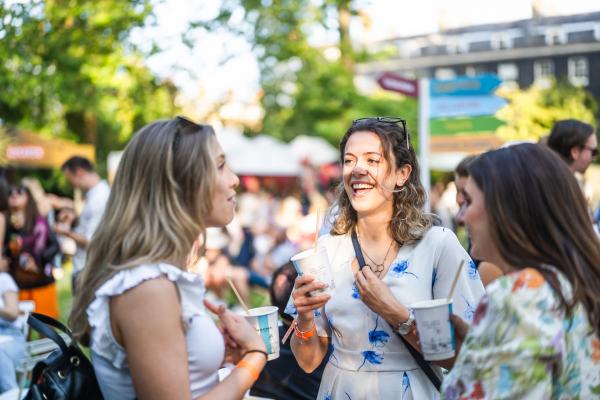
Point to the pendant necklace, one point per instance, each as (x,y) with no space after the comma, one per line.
(376,267)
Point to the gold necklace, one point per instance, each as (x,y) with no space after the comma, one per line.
(377,268)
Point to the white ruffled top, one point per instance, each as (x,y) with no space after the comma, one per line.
(205,343)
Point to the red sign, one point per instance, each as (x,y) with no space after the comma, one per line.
(397,83)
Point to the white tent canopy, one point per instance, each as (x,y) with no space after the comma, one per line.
(317,150)
(260,156)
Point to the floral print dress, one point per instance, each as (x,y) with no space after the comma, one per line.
(368,360)
(522,346)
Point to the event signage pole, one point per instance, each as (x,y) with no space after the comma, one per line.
(424,138)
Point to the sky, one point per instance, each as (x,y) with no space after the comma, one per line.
(201,72)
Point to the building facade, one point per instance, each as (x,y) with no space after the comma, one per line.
(520,52)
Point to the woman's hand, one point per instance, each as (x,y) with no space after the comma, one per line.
(238,332)
(378,296)
(305,303)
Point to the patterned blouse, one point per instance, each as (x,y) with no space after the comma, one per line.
(522,345)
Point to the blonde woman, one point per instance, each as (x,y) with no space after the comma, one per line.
(408,260)
(139,309)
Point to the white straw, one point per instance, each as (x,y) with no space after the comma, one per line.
(455,280)
(237,294)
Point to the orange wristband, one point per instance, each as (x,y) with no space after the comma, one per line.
(254,372)
(304,335)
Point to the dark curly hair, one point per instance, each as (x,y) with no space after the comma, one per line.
(409,221)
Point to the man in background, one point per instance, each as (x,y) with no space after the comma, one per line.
(80,173)
(575,142)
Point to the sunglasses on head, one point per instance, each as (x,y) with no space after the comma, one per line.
(17,190)
(387,120)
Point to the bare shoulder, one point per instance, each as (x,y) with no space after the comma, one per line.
(153,304)
(155,290)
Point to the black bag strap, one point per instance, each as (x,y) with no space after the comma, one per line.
(425,366)
(40,322)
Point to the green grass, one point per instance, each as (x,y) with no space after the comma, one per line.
(65,297)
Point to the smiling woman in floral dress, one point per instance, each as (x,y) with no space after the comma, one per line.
(409,260)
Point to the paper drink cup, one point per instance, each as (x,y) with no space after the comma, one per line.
(264,320)
(316,263)
(436,332)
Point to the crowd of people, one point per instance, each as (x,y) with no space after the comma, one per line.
(157,252)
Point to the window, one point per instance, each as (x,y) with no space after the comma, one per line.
(501,41)
(474,70)
(579,71)
(555,36)
(444,73)
(543,72)
(508,72)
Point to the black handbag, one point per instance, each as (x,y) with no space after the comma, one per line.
(425,366)
(66,374)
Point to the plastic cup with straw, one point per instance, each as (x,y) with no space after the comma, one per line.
(264,321)
(313,261)
(435,330)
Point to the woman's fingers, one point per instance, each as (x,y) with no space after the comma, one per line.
(303,280)
(213,308)
(312,301)
(304,290)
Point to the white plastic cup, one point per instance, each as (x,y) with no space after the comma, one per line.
(316,263)
(264,320)
(435,330)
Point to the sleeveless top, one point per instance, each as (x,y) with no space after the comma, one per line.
(204,342)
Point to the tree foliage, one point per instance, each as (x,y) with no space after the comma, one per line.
(68,70)
(308,83)
(531,113)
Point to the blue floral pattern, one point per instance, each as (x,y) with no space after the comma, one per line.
(365,360)
(469,310)
(378,338)
(355,292)
(405,385)
(400,268)
(372,357)
(472,269)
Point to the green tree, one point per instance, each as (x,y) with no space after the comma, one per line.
(69,70)
(308,87)
(531,113)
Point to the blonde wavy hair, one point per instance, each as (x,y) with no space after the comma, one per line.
(162,191)
(409,222)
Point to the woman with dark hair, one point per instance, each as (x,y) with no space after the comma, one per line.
(28,246)
(535,334)
(12,347)
(380,202)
